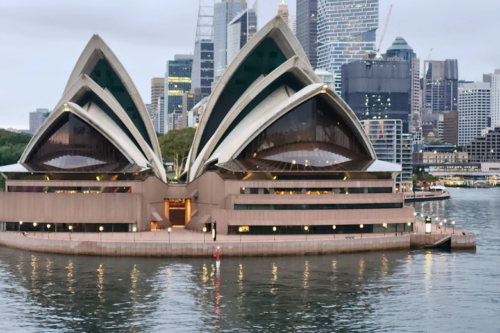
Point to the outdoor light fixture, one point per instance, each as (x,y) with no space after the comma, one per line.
(361,226)
(437,218)
(334,227)
(70,227)
(445,220)
(440,224)
(35,224)
(428,225)
(169,229)
(204,229)
(421,215)
(384,225)
(415,214)
(240,229)
(134,229)
(409,224)
(274,228)
(453,222)
(20,222)
(101,228)
(306,228)
(48,226)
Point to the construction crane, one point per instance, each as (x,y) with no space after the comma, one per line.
(430,53)
(385,29)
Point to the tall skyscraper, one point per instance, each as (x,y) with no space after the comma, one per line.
(37,118)
(474,112)
(202,75)
(283,10)
(440,86)
(161,117)
(177,83)
(307,28)
(224,12)
(292,23)
(495,98)
(239,31)
(346,31)
(392,145)
(157,90)
(378,89)
(400,50)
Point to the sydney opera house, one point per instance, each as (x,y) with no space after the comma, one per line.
(276,152)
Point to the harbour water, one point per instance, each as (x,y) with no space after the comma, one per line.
(398,291)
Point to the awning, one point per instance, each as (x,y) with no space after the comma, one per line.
(156,217)
(206,219)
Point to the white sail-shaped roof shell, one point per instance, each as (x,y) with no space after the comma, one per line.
(97,49)
(124,134)
(97,118)
(231,137)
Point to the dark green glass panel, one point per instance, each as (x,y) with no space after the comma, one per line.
(287,79)
(106,77)
(90,96)
(263,60)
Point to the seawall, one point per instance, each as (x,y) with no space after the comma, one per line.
(267,247)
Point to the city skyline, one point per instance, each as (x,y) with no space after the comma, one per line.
(33,34)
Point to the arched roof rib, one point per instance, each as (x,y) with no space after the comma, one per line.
(97,118)
(84,91)
(248,130)
(100,63)
(273,45)
(294,74)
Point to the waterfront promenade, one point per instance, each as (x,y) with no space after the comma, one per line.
(184,243)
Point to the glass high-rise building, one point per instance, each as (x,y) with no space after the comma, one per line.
(239,31)
(224,12)
(202,75)
(177,83)
(307,28)
(346,31)
(440,85)
(378,89)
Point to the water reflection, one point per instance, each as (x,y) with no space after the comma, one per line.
(393,291)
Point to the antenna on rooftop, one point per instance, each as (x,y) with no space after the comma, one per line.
(205,26)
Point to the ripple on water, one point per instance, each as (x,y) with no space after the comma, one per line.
(397,291)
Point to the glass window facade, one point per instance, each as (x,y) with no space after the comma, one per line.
(317,206)
(315,191)
(73,145)
(70,189)
(320,229)
(311,135)
(67,227)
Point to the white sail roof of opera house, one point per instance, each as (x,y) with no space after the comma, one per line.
(270,112)
(100,124)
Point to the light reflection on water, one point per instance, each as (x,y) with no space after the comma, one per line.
(396,291)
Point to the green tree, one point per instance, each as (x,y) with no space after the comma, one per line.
(175,146)
(12,146)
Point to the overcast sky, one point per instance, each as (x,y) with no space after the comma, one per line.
(40,41)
